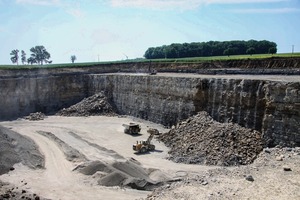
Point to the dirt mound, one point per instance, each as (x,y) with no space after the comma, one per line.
(123,174)
(15,148)
(201,140)
(35,116)
(266,178)
(97,104)
(93,167)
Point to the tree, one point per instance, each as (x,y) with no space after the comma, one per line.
(31,60)
(73,58)
(39,54)
(228,52)
(15,56)
(273,50)
(210,48)
(23,57)
(250,51)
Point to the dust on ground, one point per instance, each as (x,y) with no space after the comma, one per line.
(79,150)
(58,157)
(275,173)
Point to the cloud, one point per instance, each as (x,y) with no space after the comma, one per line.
(39,2)
(266,11)
(76,12)
(181,4)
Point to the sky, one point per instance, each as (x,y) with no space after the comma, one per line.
(110,30)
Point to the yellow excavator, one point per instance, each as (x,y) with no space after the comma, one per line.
(145,145)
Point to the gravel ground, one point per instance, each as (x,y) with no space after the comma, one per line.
(275,174)
(91,158)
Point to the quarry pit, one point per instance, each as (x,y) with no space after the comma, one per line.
(267,102)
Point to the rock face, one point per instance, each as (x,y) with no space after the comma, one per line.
(200,139)
(271,107)
(22,96)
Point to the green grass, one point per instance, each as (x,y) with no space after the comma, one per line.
(178,60)
(233,57)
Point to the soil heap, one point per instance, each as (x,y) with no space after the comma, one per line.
(201,140)
(127,173)
(35,116)
(273,175)
(15,148)
(97,104)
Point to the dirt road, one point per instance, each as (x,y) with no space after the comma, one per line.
(59,181)
(102,138)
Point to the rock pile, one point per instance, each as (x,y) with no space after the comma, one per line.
(15,148)
(97,104)
(229,183)
(35,116)
(123,174)
(201,140)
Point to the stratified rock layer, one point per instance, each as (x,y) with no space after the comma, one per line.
(268,104)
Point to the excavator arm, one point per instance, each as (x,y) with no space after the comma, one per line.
(152,133)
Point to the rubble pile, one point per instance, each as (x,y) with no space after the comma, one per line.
(97,104)
(201,140)
(35,116)
(273,165)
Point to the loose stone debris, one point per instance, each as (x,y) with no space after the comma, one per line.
(97,104)
(14,193)
(15,148)
(233,183)
(201,140)
(35,116)
(128,174)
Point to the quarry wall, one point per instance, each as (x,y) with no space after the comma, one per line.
(21,96)
(272,107)
(267,106)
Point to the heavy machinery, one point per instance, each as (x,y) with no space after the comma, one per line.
(153,72)
(132,128)
(145,146)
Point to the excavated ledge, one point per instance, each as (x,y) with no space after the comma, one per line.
(269,103)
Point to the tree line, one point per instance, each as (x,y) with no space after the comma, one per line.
(211,48)
(39,55)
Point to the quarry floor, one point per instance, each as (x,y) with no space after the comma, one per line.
(59,181)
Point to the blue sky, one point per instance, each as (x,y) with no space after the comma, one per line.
(119,29)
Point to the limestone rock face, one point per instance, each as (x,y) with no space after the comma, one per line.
(281,120)
(270,107)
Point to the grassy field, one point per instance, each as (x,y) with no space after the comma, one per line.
(178,60)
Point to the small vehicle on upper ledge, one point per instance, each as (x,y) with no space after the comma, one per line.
(132,128)
(153,72)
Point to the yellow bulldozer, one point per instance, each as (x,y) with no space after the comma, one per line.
(145,145)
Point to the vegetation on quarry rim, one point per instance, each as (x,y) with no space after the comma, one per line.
(168,60)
